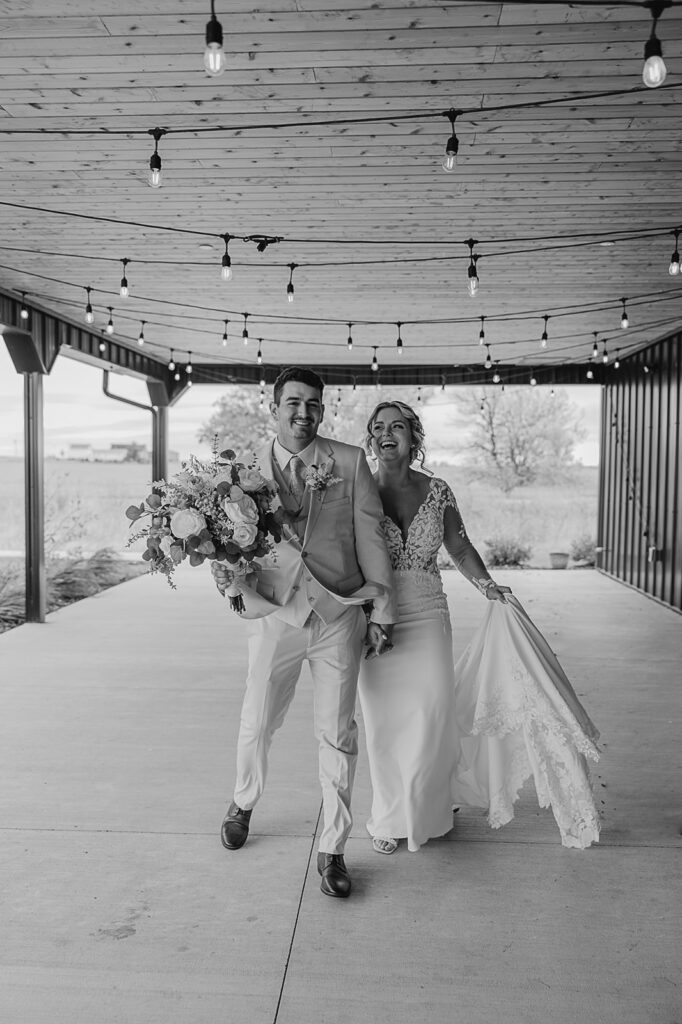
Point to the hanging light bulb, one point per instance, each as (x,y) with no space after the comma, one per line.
(481,333)
(124,290)
(674,267)
(290,286)
(624,322)
(496,375)
(654,70)
(110,322)
(226,269)
(533,379)
(488,361)
(262,381)
(399,340)
(545,338)
(189,367)
(23,312)
(355,384)
(419,394)
(595,347)
(154,178)
(472,276)
(262,398)
(245,332)
(646,368)
(552,393)
(89,315)
(102,346)
(604,355)
(226,322)
(177,375)
(349,343)
(452,146)
(375,362)
(616,361)
(442,382)
(189,382)
(214,56)
(171,364)
(259,356)
(140,337)
(590,371)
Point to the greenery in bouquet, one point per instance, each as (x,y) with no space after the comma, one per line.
(219,509)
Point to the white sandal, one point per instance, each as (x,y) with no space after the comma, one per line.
(386,846)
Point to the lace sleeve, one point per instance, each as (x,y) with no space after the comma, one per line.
(463,553)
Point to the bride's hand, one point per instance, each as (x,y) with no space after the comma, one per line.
(378,639)
(495,592)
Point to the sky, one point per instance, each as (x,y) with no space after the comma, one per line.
(76,410)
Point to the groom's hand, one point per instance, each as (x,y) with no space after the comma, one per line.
(378,639)
(222,576)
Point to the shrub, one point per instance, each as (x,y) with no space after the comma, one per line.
(506,551)
(583,549)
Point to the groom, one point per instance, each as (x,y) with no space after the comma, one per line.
(307,604)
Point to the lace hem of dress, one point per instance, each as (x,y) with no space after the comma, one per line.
(551,748)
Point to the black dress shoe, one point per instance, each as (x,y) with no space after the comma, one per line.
(335,877)
(235,827)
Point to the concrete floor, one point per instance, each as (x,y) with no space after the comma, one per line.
(118,721)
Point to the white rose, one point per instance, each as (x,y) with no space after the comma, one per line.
(186,522)
(243,511)
(251,479)
(166,543)
(244,534)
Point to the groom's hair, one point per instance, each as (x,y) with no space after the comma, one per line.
(299,374)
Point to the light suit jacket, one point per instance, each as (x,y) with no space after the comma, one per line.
(343,547)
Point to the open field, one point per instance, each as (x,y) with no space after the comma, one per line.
(86,501)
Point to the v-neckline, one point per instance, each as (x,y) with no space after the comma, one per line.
(404,538)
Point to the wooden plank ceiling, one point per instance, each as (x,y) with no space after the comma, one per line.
(344,196)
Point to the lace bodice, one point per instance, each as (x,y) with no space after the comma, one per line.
(419,550)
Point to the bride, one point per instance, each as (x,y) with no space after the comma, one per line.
(470,734)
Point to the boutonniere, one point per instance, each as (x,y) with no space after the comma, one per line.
(319,478)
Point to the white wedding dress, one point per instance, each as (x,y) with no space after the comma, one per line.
(440,735)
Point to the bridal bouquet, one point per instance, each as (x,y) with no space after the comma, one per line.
(221,509)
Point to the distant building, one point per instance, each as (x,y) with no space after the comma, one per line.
(84,452)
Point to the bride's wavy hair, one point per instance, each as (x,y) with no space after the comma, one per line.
(417,448)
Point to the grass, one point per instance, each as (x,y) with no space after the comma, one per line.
(86,502)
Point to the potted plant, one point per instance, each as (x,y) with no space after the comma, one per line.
(558,559)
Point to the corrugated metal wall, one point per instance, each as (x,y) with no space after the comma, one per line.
(639,493)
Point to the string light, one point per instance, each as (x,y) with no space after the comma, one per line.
(177,375)
(171,364)
(674,267)
(226,269)
(262,380)
(102,346)
(595,347)
(654,70)
(124,291)
(140,338)
(154,178)
(399,340)
(646,368)
(496,375)
(226,322)
(214,55)
(110,322)
(349,343)
(616,361)
(259,356)
(375,362)
(23,312)
(488,361)
(452,146)
(472,276)
(624,322)
(245,332)
(545,338)
(189,367)
(89,315)
(605,355)
(290,286)
(533,379)
(590,371)
(481,333)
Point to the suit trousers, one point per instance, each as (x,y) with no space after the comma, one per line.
(277,651)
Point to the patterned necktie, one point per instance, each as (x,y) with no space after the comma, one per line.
(296,478)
